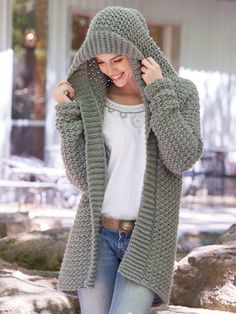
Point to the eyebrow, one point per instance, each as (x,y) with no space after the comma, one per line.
(111,58)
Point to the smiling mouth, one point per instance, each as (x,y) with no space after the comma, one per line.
(116,77)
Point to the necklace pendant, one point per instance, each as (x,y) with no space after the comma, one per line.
(123,115)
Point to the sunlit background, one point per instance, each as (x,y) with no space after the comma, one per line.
(38,41)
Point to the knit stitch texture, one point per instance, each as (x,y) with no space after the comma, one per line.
(173,142)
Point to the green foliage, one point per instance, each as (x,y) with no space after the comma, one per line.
(38,254)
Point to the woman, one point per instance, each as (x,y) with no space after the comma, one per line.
(129,127)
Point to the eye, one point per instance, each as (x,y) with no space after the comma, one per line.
(116,61)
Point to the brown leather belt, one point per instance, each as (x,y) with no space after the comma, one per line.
(118,224)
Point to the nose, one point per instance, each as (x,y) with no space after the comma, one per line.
(111,70)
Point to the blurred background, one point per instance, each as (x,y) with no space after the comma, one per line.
(38,40)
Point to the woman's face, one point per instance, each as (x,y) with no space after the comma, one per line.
(117,67)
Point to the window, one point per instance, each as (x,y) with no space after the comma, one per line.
(80,24)
(28,97)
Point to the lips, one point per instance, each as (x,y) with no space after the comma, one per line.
(116,77)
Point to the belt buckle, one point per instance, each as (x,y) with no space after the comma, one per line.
(127,225)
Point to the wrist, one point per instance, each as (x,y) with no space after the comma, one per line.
(154,88)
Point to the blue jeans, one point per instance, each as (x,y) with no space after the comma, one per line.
(113,293)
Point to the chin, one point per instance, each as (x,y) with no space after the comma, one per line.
(120,83)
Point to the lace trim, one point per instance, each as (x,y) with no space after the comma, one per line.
(124,108)
(136,119)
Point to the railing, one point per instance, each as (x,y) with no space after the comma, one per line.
(214,175)
(26,181)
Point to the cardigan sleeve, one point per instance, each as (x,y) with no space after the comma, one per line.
(70,127)
(175,120)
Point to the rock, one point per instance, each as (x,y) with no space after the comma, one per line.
(188,241)
(206,278)
(228,236)
(36,250)
(23,292)
(182,310)
(181,252)
(14,223)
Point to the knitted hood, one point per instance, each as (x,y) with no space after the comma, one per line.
(115,30)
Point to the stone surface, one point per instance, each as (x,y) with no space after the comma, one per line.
(182,310)
(35,250)
(190,240)
(228,236)
(206,278)
(12,224)
(24,292)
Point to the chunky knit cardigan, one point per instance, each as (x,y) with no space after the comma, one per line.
(173,142)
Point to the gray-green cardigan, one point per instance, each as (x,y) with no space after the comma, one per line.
(173,141)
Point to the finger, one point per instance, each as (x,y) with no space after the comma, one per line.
(146,63)
(67,99)
(150,60)
(144,77)
(61,98)
(62,93)
(144,69)
(66,90)
(70,93)
(64,86)
(56,96)
(153,62)
(63,83)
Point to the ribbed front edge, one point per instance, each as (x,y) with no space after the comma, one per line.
(96,162)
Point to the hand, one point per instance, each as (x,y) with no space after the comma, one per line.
(63,92)
(151,70)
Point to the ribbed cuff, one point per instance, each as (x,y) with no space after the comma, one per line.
(67,108)
(157,86)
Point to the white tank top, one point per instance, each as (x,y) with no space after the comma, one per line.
(124,135)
